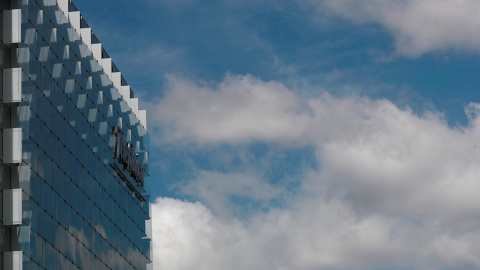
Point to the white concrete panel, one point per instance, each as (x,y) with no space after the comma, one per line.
(74,18)
(150,210)
(142,116)
(12,145)
(148,228)
(12,21)
(12,207)
(125,91)
(107,66)
(12,85)
(134,105)
(63,5)
(86,34)
(117,79)
(97,51)
(12,260)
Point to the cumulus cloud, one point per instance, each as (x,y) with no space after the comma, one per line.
(313,235)
(418,26)
(239,109)
(392,188)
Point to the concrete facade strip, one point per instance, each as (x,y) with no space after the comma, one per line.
(74,18)
(97,51)
(12,85)
(134,105)
(142,116)
(107,66)
(86,34)
(12,207)
(12,145)
(12,260)
(12,21)
(117,80)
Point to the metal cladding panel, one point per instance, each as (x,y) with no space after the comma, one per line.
(12,207)
(12,145)
(12,85)
(12,26)
(12,260)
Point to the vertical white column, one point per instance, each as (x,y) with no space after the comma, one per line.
(12,260)
(12,85)
(148,229)
(12,26)
(12,145)
(12,207)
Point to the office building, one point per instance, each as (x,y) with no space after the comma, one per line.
(73,147)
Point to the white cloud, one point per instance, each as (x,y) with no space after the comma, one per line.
(392,189)
(313,235)
(239,109)
(418,26)
(188,236)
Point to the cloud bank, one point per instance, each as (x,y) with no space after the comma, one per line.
(392,189)
(418,26)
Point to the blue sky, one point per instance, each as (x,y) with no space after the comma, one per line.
(310,134)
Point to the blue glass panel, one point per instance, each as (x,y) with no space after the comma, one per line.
(50,256)
(48,199)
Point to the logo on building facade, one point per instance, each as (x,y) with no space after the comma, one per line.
(123,152)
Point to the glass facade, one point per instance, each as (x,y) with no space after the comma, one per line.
(80,209)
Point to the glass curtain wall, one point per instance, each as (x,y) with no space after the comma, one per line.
(78,211)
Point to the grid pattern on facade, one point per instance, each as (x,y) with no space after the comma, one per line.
(77,212)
